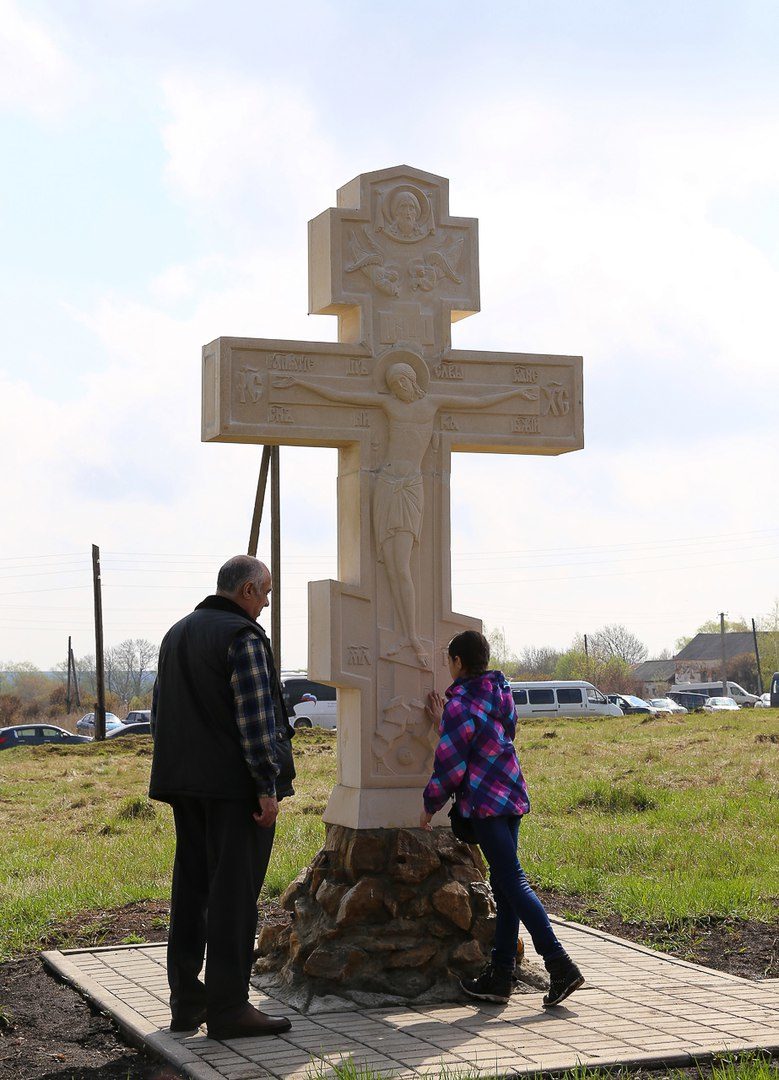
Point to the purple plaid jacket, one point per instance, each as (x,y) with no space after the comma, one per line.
(475,760)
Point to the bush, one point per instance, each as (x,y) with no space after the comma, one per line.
(9,709)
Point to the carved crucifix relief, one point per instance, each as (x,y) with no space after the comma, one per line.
(396,400)
(398,501)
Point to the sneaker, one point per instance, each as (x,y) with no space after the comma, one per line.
(494,984)
(564,978)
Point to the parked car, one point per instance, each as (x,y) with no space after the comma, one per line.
(36,734)
(720,704)
(715,688)
(763,702)
(295,685)
(631,705)
(666,705)
(322,714)
(137,716)
(691,701)
(142,728)
(86,725)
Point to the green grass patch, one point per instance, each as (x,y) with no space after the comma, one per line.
(665,823)
(743,1067)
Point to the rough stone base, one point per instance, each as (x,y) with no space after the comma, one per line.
(381,917)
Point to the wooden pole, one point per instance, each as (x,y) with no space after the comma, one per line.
(99,670)
(75,678)
(757,659)
(259,502)
(275,554)
(67,692)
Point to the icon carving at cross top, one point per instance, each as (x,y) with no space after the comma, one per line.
(396,400)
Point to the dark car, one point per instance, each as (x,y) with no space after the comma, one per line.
(142,728)
(293,687)
(631,705)
(138,716)
(36,735)
(692,702)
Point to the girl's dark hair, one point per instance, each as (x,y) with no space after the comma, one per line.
(473,650)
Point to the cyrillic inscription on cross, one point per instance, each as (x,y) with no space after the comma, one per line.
(396,400)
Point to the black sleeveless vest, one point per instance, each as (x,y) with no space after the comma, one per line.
(197,749)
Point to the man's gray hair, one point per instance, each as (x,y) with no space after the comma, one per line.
(236,571)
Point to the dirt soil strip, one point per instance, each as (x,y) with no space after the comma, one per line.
(48,1032)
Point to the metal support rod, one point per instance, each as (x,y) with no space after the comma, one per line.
(757,659)
(99,669)
(275,554)
(259,502)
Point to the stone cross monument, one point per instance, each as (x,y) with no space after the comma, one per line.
(395,398)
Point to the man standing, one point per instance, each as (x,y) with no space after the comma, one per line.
(222,759)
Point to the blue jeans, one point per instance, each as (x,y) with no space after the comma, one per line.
(515,900)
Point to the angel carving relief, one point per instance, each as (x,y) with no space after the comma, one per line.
(398,492)
(424,272)
(370,261)
(428,271)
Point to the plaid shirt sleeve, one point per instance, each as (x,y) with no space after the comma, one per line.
(451,756)
(254,713)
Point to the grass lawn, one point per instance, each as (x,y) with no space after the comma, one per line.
(669,820)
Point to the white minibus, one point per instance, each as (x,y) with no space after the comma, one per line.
(568,697)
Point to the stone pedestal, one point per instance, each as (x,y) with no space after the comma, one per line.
(383,916)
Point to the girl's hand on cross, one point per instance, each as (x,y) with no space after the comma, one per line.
(435,707)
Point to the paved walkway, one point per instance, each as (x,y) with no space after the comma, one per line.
(638,1007)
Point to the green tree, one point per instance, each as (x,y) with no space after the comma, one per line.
(572,664)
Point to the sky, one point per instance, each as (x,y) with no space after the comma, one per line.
(160,161)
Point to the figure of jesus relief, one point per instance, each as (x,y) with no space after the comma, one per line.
(398,492)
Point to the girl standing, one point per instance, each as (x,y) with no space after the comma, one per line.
(477,765)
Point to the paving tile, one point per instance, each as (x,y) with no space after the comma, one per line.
(638,1007)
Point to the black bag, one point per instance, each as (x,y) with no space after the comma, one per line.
(285,761)
(462,827)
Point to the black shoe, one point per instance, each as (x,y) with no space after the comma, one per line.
(564,978)
(188,1021)
(494,984)
(246,1022)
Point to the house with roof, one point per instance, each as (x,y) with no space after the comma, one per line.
(699,661)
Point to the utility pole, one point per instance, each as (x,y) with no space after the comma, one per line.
(99,670)
(722,654)
(587,655)
(275,554)
(67,692)
(757,659)
(75,677)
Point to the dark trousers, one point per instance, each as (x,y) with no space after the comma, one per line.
(221,859)
(515,900)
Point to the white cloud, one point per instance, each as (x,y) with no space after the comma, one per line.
(36,74)
(239,146)
(604,235)
(596,238)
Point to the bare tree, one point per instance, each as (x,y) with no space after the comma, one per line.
(128,666)
(538,660)
(501,656)
(615,641)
